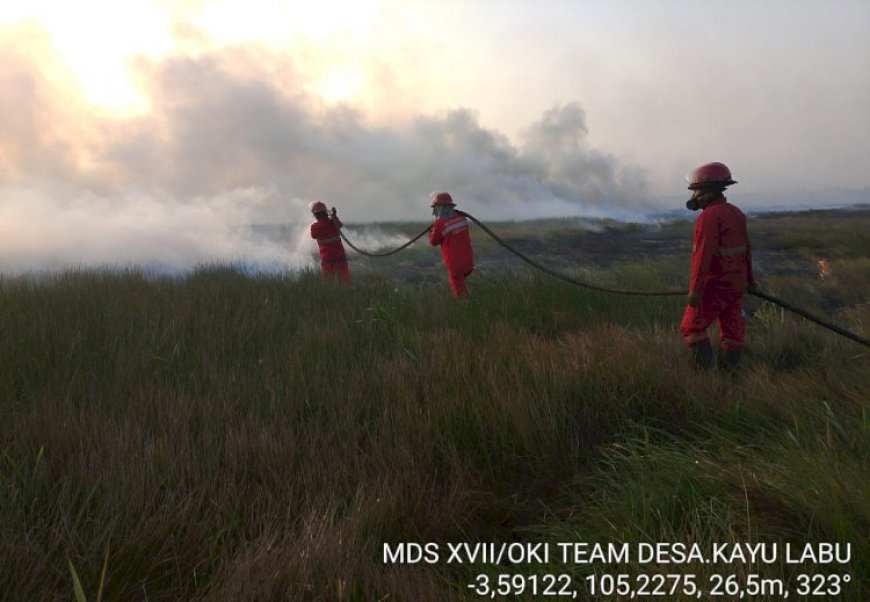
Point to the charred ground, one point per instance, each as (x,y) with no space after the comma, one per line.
(236,436)
(784,244)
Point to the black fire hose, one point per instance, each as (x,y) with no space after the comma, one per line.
(756,292)
(617,291)
(384,254)
(563,277)
(810,317)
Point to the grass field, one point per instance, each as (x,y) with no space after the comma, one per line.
(222,436)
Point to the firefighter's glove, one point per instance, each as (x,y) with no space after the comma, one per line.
(694,299)
(333,213)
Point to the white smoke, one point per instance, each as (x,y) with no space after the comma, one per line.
(232,140)
(372,238)
(39,232)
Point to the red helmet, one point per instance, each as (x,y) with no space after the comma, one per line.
(441,198)
(710,174)
(316,207)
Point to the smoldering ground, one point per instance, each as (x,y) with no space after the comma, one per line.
(232,139)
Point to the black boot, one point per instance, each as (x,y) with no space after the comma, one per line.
(703,355)
(730,360)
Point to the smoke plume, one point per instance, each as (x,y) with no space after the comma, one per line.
(232,140)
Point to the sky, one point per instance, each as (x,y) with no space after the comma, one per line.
(155,130)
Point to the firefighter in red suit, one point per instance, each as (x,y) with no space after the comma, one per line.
(451,231)
(721,269)
(333,260)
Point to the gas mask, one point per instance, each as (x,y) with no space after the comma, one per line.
(700,198)
(442,211)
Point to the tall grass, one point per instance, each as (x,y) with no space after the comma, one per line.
(231,436)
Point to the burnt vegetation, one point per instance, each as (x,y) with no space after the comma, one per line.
(223,435)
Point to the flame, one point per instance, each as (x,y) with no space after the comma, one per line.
(824,269)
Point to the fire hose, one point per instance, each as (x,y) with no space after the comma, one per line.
(810,317)
(617,291)
(753,291)
(564,277)
(396,250)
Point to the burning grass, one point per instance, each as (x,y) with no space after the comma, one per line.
(227,436)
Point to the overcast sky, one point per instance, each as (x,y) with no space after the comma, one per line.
(231,111)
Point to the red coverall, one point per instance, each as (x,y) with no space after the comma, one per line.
(721,272)
(452,234)
(333,260)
